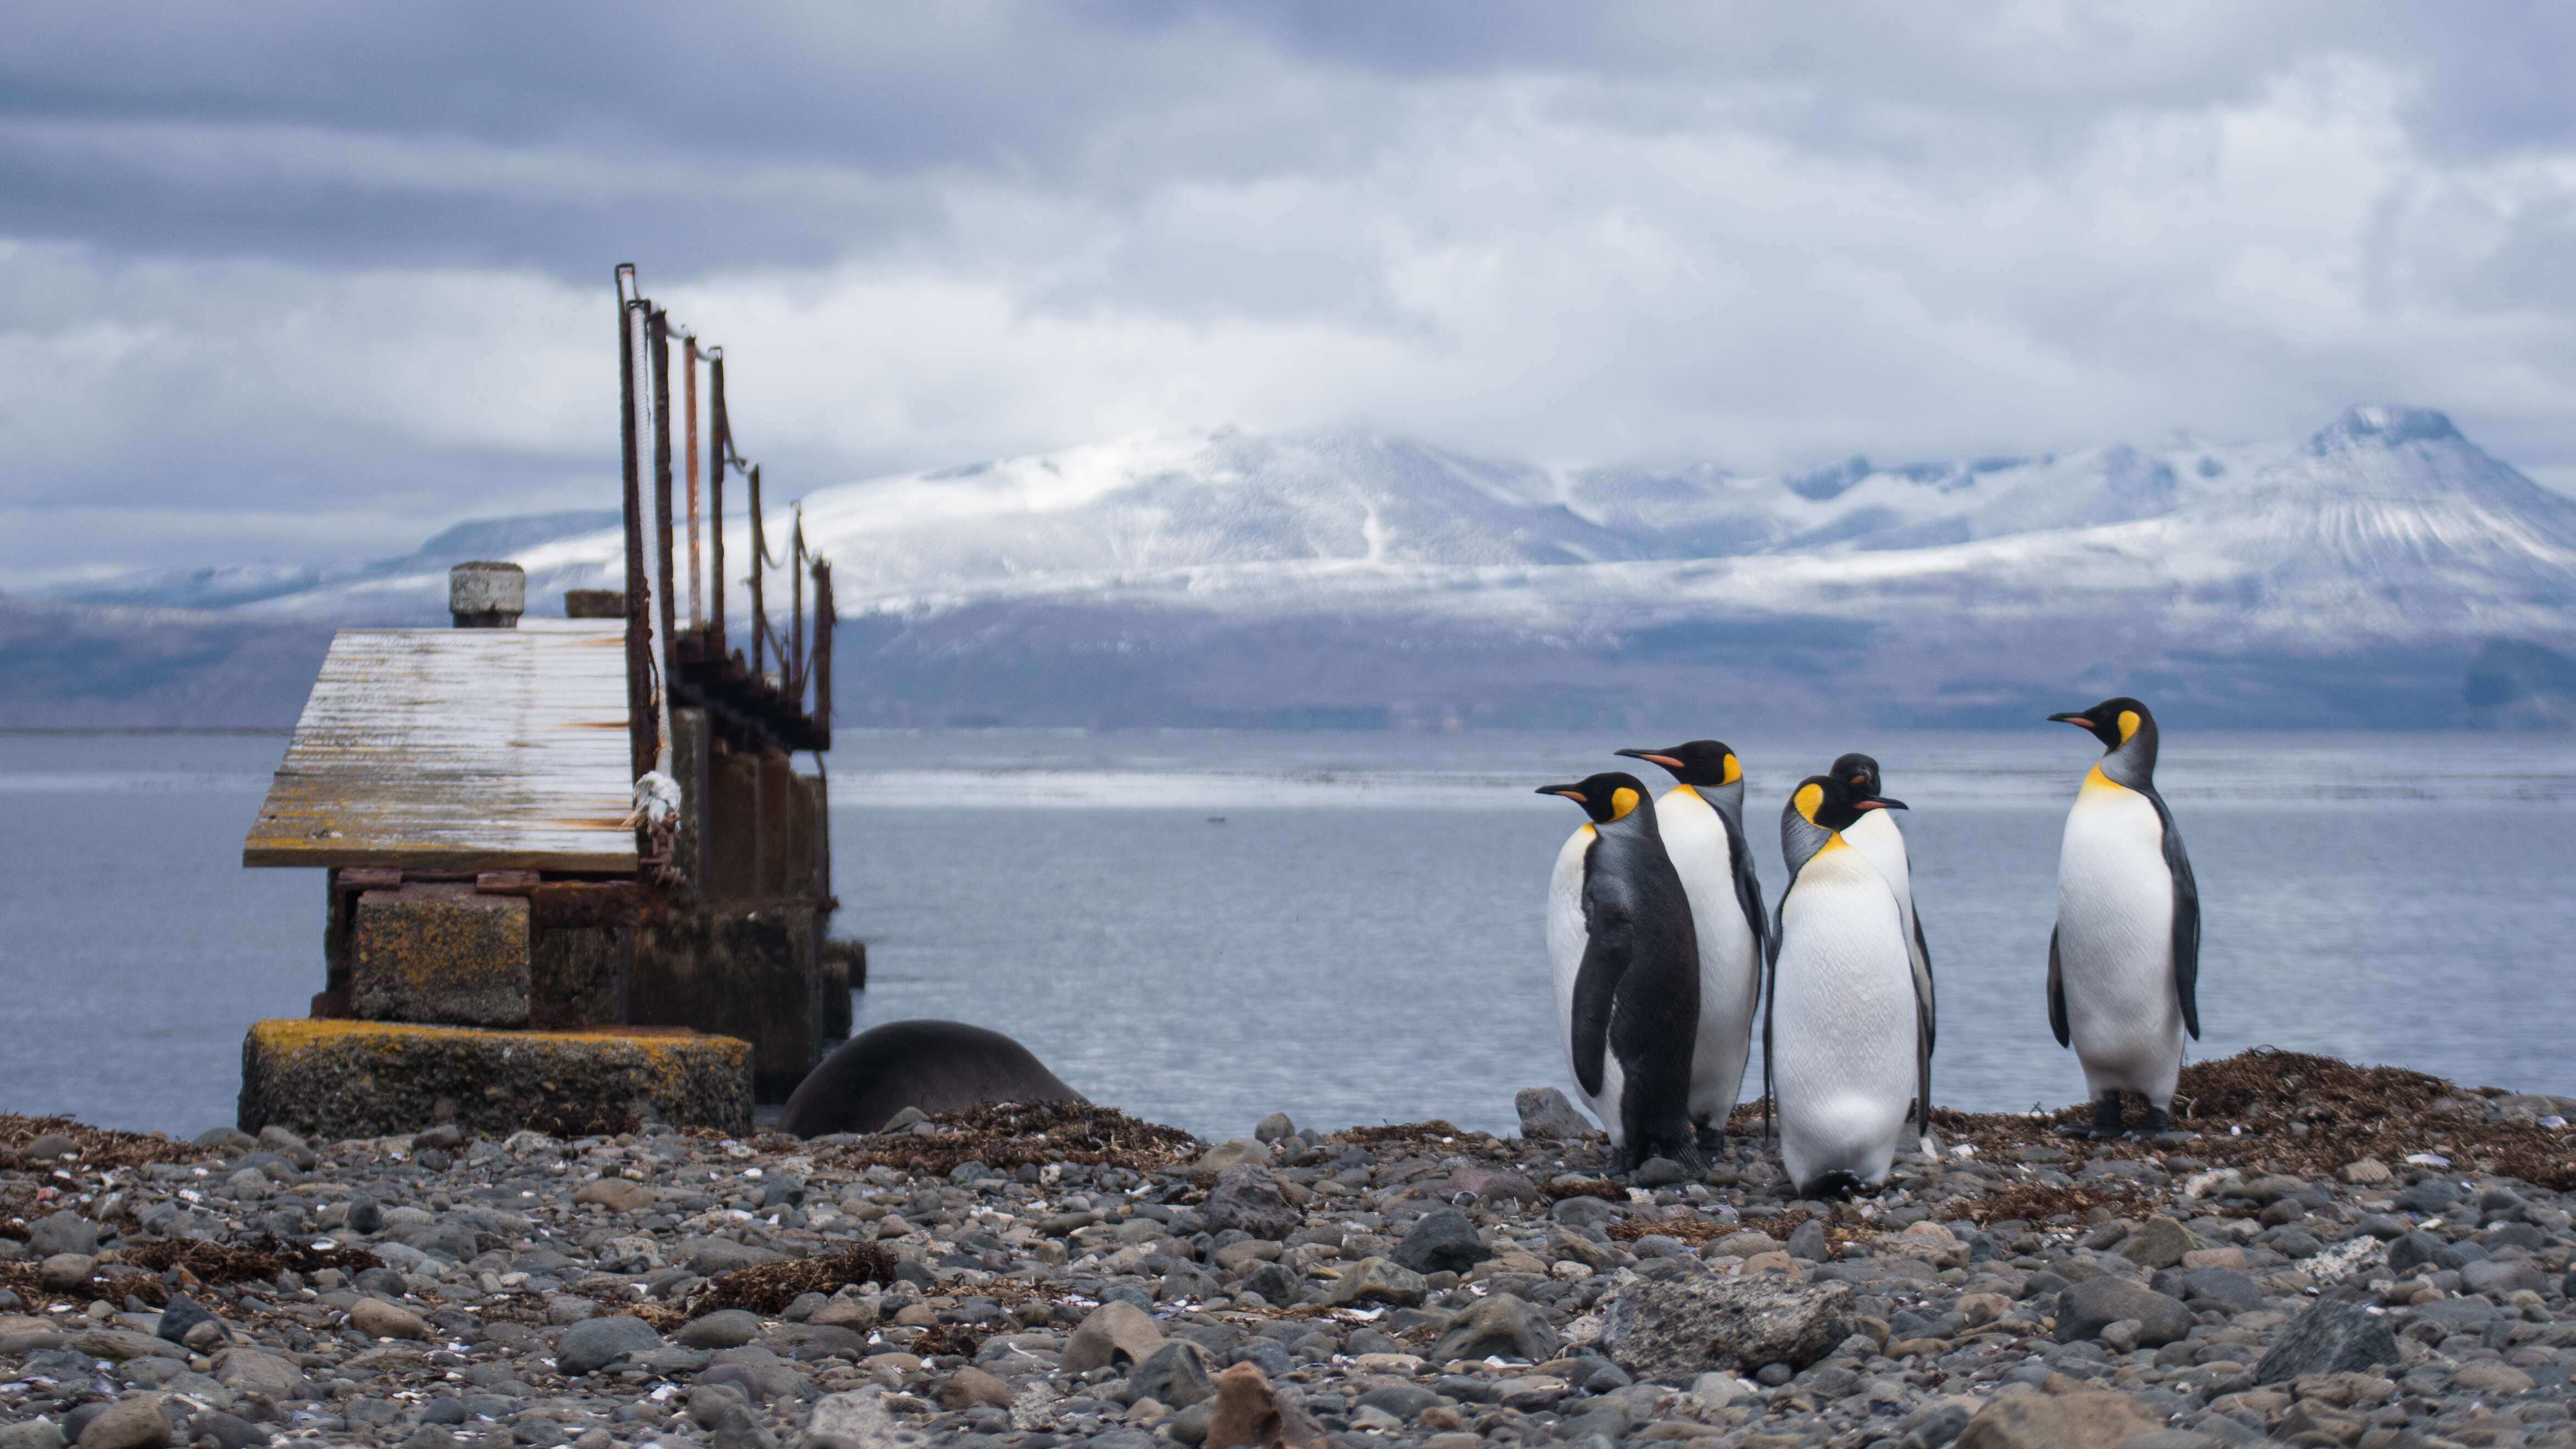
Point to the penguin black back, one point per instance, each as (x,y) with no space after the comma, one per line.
(1636,993)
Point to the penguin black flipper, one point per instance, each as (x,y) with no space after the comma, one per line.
(1923,981)
(1770,1002)
(2186,918)
(1923,1055)
(1748,887)
(2057,994)
(1609,942)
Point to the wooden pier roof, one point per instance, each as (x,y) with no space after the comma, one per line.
(459,749)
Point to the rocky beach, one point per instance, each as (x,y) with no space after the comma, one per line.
(2322,1254)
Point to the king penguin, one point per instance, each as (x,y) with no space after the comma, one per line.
(1626,968)
(1878,837)
(1843,1038)
(1702,821)
(2124,960)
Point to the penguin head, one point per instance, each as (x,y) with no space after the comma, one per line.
(2115,722)
(1857,770)
(1606,798)
(1833,802)
(1701,762)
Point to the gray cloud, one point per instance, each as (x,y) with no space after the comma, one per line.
(301,281)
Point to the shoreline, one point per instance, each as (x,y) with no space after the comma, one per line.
(1019,1278)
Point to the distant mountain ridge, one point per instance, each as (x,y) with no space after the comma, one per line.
(1346,577)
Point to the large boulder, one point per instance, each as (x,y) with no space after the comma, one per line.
(1672,1331)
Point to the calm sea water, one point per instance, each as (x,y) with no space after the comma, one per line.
(1204,927)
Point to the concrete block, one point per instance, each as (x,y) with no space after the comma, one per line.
(752,971)
(338,1079)
(441,954)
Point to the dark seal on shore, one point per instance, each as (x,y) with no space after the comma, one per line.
(937,1066)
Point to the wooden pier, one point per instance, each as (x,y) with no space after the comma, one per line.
(555,827)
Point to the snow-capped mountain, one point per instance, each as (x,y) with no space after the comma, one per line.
(1350,577)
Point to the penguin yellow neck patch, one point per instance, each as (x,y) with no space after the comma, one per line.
(1807,801)
(1734,771)
(2128,724)
(1622,801)
(1691,791)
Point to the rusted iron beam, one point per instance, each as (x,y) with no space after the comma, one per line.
(825,622)
(642,730)
(661,329)
(720,446)
(759,563)
(690,364)
(506,882)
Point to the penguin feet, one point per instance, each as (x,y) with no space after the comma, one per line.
(2106,1117)
(1712,1141)
(2157,1122)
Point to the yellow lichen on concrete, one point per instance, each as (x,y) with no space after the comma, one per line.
(358,1078)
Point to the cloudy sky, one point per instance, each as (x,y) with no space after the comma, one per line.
(309,281)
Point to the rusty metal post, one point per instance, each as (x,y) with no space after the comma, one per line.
(690,406)
(661,324)
(759,563)
(720,450)
(642,728)
(824,622)
(796,669)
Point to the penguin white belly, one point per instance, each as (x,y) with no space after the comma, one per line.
(2115,944)
(1877,837)
(1566,938)
(1842,1021)
(1730,960)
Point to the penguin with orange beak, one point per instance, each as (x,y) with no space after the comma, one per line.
(2124,960)
(1702,820)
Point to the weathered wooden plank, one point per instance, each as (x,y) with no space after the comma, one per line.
(458,749)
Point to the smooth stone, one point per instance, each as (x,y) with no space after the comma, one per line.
(595,1343)
(65,1272)
(1377,1280)
(2087,1419)
(2084,1310)
(142,1422)
(1444,1241)
(1112,1330)
(183,1313)
(726,1328)
(1233,1152)
(378,1319)
(62,1232)
(970,1387)
(1274,1127)
(1176,1375)
(1811,1242)
(617,1194)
